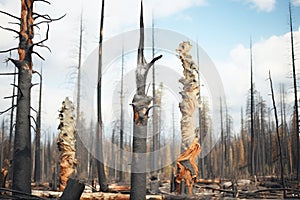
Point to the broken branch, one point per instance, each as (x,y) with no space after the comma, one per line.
(44,1)
(6,13)
(10,29)
(36,53)
(7,109)
(8,50)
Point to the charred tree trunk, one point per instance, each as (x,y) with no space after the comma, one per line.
(140,104)
(187,170)
(99,146)
(278,136)
(22,142)
(66,142)
(295,95)
(37,168)
(121,121)
(252,155)
(79,146)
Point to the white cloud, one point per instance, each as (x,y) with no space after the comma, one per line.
(120,16)
(268,54)
(296,2)
(263,5)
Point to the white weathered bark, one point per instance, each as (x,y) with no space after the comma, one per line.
(190,94)
(190,147)
(66,142)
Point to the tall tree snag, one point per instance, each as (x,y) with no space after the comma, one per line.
(99,146)
(140,104)
(190,147)
(295,95)
(66,143)
(22,141)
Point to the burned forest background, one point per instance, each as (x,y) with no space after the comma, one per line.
(263,145)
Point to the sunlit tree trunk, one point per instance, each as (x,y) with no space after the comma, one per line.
(190,146)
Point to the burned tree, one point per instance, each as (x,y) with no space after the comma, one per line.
(140,104)
(66,142)
(190,147)
(22,142)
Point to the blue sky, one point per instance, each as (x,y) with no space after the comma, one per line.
(222,28)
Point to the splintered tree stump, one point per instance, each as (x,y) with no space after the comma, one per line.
(73,190)
(66,143)
(187,170)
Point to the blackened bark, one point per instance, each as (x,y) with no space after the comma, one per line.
(295,95)
(99,146)
(278,136)
(140,105)
(22,142)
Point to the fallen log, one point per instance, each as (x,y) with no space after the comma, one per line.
(73,190)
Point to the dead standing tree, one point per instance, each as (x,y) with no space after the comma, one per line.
(22,142)
(140,104)
(190,147)
(66,143)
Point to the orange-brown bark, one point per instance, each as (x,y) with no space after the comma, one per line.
(188,172)
(66,143)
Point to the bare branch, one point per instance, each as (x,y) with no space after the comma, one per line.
(46,17)
(34,84)
(10,15)
(33,128)
(41,45)
(47,36)
(10,29)
(149,65)
(15,23)
(44,1)
(18,90)
(36,53)
(6,74)
(17,63)
(151,108)
(7,109)
(33,109)
(33,119)
(8,50)
(13,96)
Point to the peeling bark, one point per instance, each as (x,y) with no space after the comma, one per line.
(190,147)
(66,143)
(190,94)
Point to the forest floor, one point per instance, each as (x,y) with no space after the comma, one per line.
(260,188)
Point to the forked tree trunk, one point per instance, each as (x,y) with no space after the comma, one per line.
(66,143)
(22,142)
(190,147)
(140,104)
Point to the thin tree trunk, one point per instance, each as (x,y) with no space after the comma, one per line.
(121,121)
(99,146)
(140,105)
(11,126)
(79,146)
(252,162)
(295,94)
(37,168)
(278,136)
